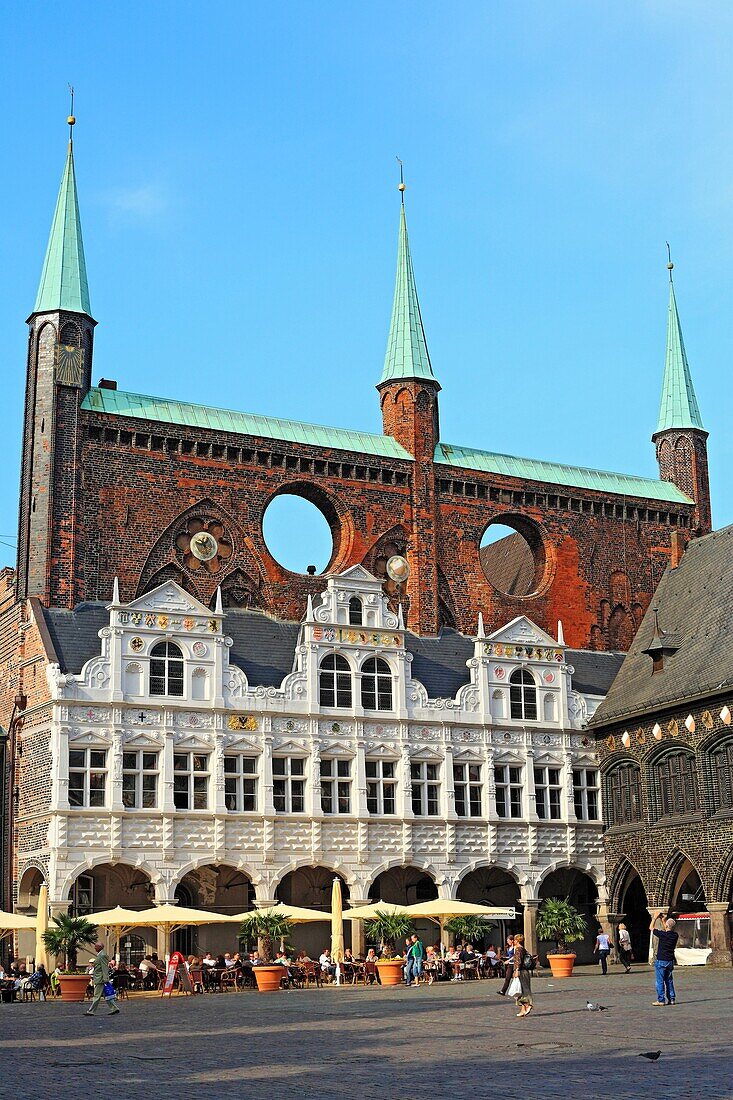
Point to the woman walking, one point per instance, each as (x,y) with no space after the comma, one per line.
(624,947)
(523,964)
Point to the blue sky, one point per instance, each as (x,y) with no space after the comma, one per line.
(236,170)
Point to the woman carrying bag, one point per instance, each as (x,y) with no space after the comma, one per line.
(521,984)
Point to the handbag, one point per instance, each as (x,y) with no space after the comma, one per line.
(515,988)
(108,989)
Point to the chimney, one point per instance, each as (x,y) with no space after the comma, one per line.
(678,546)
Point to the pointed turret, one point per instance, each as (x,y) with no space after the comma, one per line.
(407,349)
(680,438)
(63,284)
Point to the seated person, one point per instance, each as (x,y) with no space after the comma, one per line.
(327,964)
(208,960)
(303,957)
(149,972)
(255,959)
(228,960)
(468,958)
(371,973)
(349,960)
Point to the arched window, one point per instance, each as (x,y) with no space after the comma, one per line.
(721,773)
(70,335)
(376,685)
(523,695)
(166,669)
(623,795)
(334,681)
(675,784)
(356,611)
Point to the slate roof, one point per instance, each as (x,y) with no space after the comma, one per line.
(695,603)
(264,649)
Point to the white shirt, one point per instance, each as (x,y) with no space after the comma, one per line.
(208,962)
(325,961)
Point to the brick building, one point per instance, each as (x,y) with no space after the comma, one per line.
(665,747)
(136,491)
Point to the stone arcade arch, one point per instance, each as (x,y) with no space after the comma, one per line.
(492,885)
(311,887)
(218,888)
(582,892)
(629,899)
(407,885)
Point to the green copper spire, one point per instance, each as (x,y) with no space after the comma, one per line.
(64,278)
(407,350)
(678,407)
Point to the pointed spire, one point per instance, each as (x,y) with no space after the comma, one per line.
(678,407)
(407,350)
(309,610)
(560,633)
(400,616)
(481,632)
(116,592)
(64,278)
(219,607)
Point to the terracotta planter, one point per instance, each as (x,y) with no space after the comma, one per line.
(268,977)
(390,973)
(73,986)
(561,965)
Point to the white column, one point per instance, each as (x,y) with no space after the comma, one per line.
(268,805)
(166,774)
(360,801)
(217,775)
(448,789)
(313,788)
(115,772)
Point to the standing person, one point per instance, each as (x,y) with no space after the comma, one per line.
(603,949)
(523,965)
(666,938)
(415,956)
(100,977)
(624,947)
(508,966)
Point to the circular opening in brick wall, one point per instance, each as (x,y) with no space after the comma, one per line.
(512,555)
(297,533)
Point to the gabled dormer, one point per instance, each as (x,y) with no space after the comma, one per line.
(523,675)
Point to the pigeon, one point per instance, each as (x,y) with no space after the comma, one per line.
(595,1008)
(652,1055)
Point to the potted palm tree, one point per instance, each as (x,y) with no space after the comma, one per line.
(560,921)
(471,929)
(388,929)
(267,925)
(65,938)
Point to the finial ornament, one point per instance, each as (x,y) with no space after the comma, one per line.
(71,120)
(401,184)
(670,265)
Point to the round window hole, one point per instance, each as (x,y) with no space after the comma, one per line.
(512,556)
(297,534)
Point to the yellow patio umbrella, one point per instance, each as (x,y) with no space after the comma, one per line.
(15,922)
(119,919)
(169,917)
(444,909)
(369,912)
(337,927)
(296,913)
(41,927)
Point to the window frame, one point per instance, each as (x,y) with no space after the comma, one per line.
(678,795)
(468,788)
(356,611)
(375,674)
(87,770)
(140,774)
(335,680)
(623,799)
(548,791)
(721,784)
(425,788)
(240,780)
(509,786)
(582,789)
(192,774)
(288,778)
(332,782)
(381,787)
(170,662)
(523,696)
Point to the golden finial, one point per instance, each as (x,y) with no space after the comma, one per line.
(670,265)
(401,184)
(71,120)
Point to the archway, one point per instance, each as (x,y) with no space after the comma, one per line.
(311,888)
(634,904)
(494,886)
(581,891)
(28,889)
(407,886)
(217,888)
(109,885)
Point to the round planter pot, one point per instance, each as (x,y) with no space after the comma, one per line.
(390,973)
(561,965)
(268,977)
(73,986)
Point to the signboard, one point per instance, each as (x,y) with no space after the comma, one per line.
(176,965)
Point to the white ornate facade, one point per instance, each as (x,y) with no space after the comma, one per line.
(171,764)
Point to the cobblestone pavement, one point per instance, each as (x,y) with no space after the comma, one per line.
(404,1044)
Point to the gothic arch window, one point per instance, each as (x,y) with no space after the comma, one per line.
(523,695)
(376,684)
(720,760)
(674,782)
(356,611)
(623,794)
(334,681)
(665,459)
(166,669)
(70,335)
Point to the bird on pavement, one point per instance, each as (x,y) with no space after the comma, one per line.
(595,1008)
(652,1055)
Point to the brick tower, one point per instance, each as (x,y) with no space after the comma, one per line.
(408,392)
(58,376)
(680,438)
